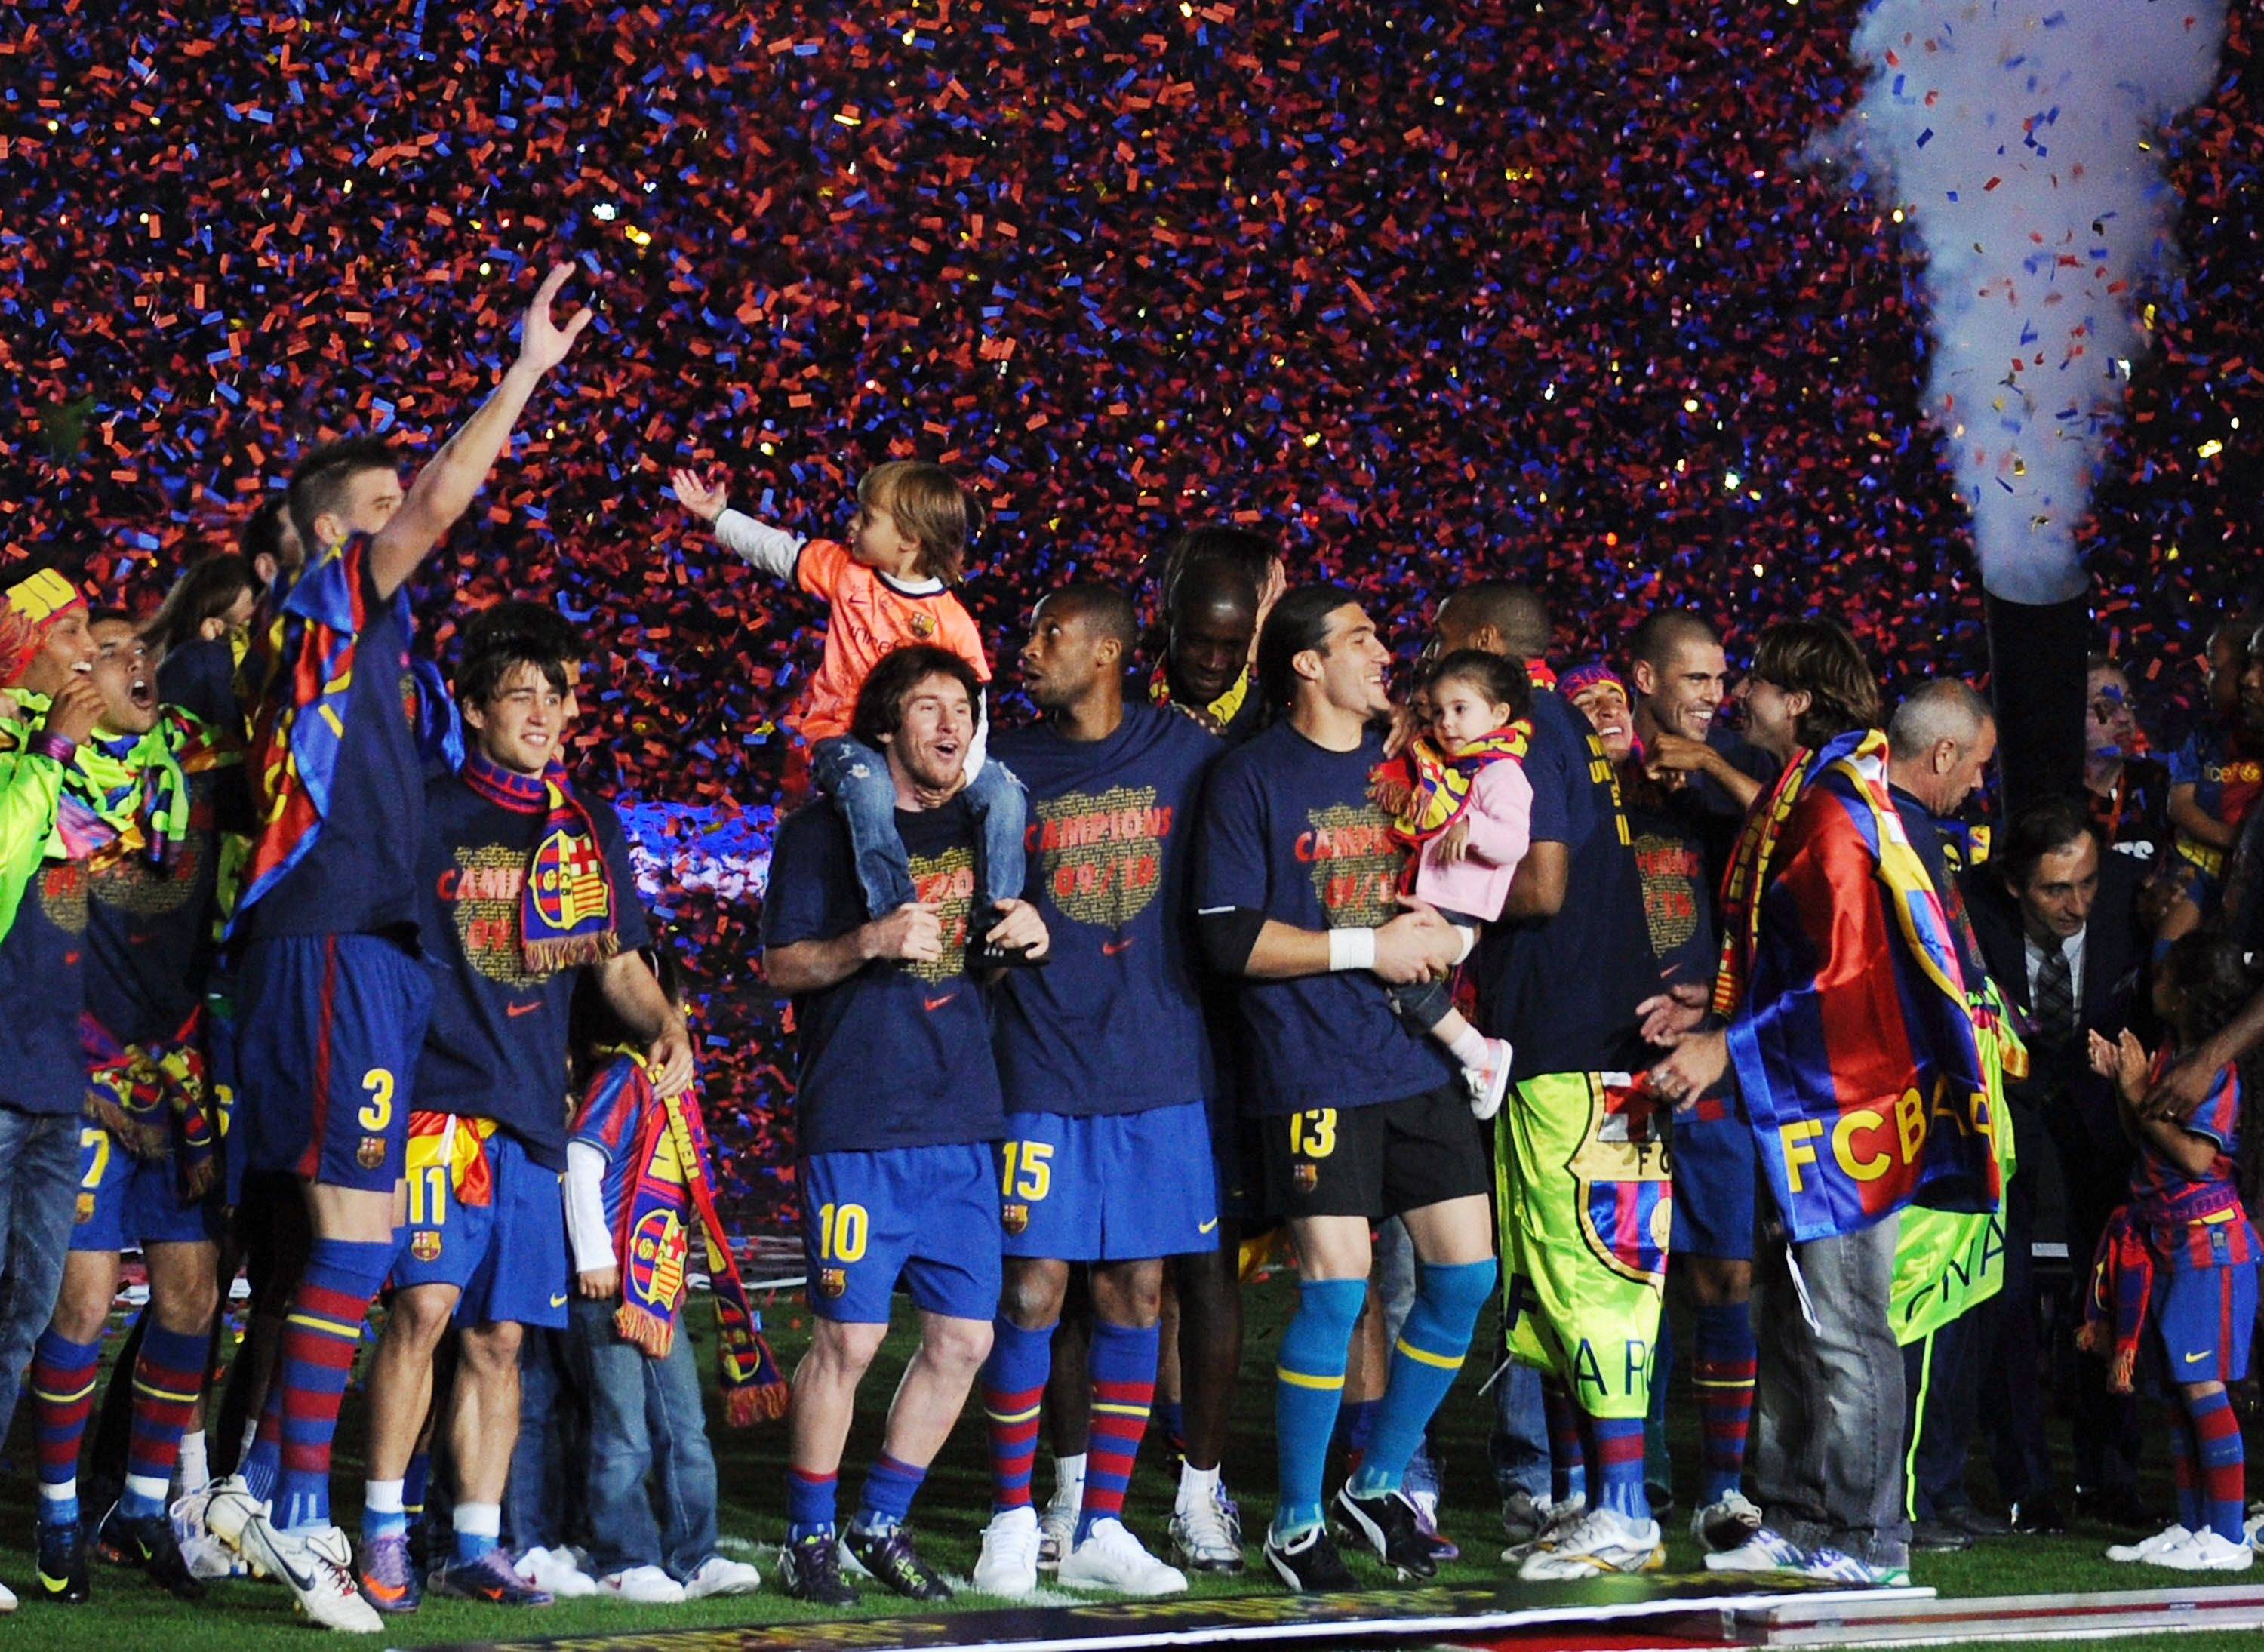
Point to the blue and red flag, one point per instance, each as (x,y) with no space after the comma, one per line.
(1853,1039)
(299,677)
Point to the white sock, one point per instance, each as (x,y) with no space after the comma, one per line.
(475,1519)
(1068,1479)
(189,1470)
(382,1496)
(243,1447)
(1195,1484)
(1469,1048)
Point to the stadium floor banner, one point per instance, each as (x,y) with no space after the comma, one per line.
(1599,1612)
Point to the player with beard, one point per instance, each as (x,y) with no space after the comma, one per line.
(149,1148)
(1362,1118)
(332,992)
(1106,1068)
(897,1110)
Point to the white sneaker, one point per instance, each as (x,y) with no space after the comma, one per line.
(1058,1524)
(230,1507)
(1203,1536)
(318,1567)
(555,1571)
(205,1556)
(716,1576)
(1604,1541)
(1727,1523)
(7,1599)
(2204,1552)
(1008,1564)
(1558,1521)
(1111,1558)
(1763,1552)
(1488,1082)
(2146,1548)
(643,1586)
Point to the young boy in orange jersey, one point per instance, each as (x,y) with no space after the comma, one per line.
(888,586)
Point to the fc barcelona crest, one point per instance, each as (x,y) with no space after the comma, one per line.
(1306,1176)
(425,1244)
(923,625)
(833,1282)
(1015,1218)
(371,1153)
(84,1212)
(570,881)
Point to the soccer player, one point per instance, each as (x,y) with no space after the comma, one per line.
(1106,1068)
(897,1112)
(46,660)
(525,883)
(1210,623)
(332,995)
(1585,1203)
(149,1154)
(1362,1118)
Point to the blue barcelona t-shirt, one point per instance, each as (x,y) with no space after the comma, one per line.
(150,925)
(200,677)
(1115,1024)
(1563,989)
(495,1045)
(1288,829)
(359,877)
(897,1054)
(43,984)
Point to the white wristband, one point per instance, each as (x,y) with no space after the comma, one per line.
(1470,939)
(1352,949)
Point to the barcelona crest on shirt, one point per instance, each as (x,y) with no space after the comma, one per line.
(570,887)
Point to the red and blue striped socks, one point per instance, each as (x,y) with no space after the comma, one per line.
(1723,1375)
(1123,1362)
(168,1379)
(1618,1463)
(321,1332)
(1567,1467)
(62,1393)
(1013,1393)
(2224,1471)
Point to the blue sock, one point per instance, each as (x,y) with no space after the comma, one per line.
(479,1531)
(382,1515)
(887,1497)
(319,1340)
(1425,1362)
(1356,1426)
(1170,1419)
(262,1466)
(810,1504)
(412,1487)
(1308,1375)
(1619,1457)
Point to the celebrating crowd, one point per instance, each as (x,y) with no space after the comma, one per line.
(1527,988)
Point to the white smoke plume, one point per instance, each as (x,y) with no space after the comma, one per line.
(2020,138)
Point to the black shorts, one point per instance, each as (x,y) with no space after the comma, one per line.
(1376,1162)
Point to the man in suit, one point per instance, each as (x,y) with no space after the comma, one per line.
(2055,916)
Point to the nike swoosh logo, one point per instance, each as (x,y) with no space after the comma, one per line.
(1109,949)
(938,1003)
(303,1581)
(558,1301)
(1207,1225)
(2195,1359)
(518,1010)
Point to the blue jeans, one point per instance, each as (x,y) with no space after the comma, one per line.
(857,779)
(644,1418)
(1518,1448)
(38,1194)
(544,1500)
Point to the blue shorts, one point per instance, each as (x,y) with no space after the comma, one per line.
(508,1257)
(125,1202)
(2201,1319)
(327,1031)
(929,1215)
(1121,1188)
(1712,1159)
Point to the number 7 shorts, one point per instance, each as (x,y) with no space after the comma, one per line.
(928,1215)
(328,1028)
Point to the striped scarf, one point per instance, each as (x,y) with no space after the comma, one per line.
(566,906)
(1428,789)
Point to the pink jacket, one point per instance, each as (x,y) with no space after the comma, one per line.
(1500,814)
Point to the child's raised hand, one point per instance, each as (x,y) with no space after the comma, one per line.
(1454,842)
(695,496)
(2130,1064)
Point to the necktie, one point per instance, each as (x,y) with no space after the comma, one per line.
(2055,1001)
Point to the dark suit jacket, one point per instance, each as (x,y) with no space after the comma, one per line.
(2115,954)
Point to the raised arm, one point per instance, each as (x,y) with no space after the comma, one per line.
(445,489)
